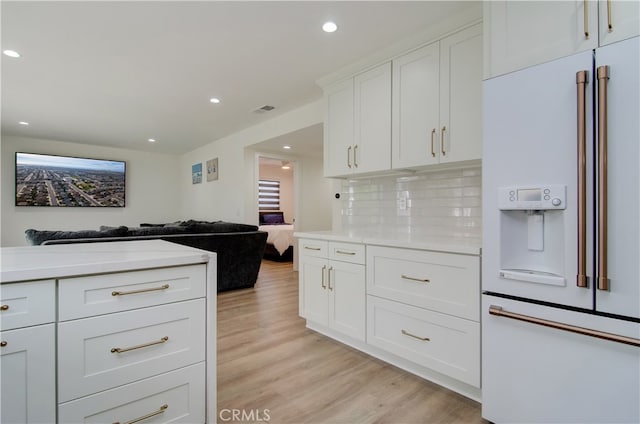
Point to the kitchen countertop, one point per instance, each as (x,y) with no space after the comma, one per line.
(439,244)
(65,260)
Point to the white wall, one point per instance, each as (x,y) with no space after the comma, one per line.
(152,190)
(233,196)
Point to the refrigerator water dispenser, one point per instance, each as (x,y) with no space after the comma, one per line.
(532,234)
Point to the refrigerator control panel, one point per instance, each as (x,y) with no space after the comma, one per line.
(532,198)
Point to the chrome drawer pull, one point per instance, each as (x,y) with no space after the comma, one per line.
(3,343)
(422,339)
(4,308)
(124,293)
(311,248)
(342,252)
(149,415)
(421,280)
(140,346)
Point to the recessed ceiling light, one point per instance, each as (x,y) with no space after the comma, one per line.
(329,26)
(151,140)
(286,147)
(286,167)
(214,100)
(11,53)
(23,123)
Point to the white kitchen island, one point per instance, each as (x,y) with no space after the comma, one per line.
(108,332)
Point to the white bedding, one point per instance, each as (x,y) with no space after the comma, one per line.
(281,236)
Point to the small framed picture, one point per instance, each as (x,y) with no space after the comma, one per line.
(212,169)
(196,173)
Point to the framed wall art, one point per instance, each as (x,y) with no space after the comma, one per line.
(212,169)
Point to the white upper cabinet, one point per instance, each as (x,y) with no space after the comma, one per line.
(416,102)
(461,96)
(358,124)
(519,34)
(437,96)
(619,20)
(372,148)
(338,128)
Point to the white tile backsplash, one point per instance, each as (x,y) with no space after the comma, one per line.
(444,203)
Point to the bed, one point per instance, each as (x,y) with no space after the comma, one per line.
(280,236)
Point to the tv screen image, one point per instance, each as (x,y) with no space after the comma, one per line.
(49,180)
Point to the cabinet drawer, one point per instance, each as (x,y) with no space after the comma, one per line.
(347,252)
(181,391)
(102,294)
(443,343)
(317,248)
(443,282)
(26,304)
(90,362)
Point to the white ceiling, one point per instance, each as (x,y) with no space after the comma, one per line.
(118,73)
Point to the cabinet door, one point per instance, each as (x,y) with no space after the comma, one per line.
(415,108)
(313,294)
(27,366)
(372,148)
(619,20)
(338,129)
(461,96)
(347,307)
(524,33)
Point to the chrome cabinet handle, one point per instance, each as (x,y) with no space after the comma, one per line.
(342,252)
(442,146)
(125,293)
(324,267)
(329,277)
(349,156)
(149,415)
(498,311)
(433,136)
(582,78)
(603,77)
(421,280)
(355,157)
(609,22)
(140,346)
(586,19)
(3,343)
(311,248)
(4,308)
(422,339)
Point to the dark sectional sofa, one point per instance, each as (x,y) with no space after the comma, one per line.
(239,247)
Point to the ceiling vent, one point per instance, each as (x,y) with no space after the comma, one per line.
(265,108)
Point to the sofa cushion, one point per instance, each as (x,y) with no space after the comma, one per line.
(155,231)
(36,237)
(218,227)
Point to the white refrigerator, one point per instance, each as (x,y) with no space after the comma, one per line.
(561,240)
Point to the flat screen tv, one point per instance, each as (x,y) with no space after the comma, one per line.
(48,180)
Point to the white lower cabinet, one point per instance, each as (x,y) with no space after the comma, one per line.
(28,370)
(417,309)
(177,396)
(332,292)
(139,353)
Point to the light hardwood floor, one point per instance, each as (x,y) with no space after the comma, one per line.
(273,369)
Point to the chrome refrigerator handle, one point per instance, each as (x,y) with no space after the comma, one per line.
(603,77)
(582,79)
